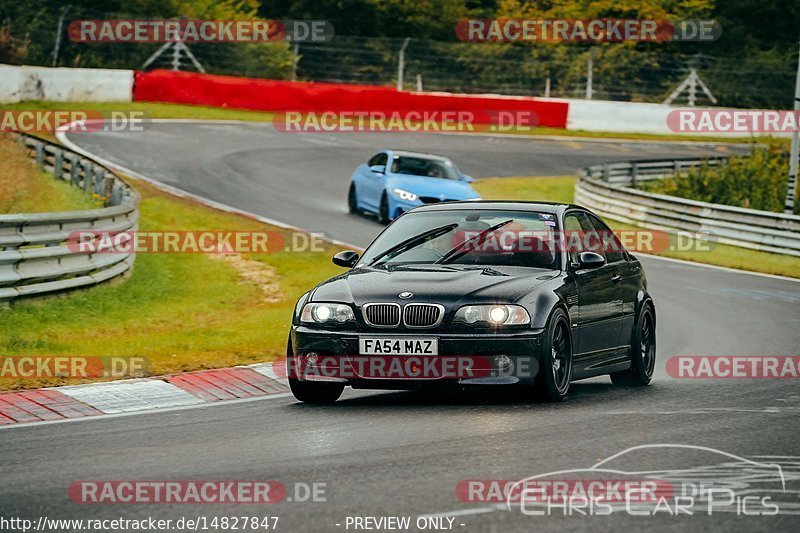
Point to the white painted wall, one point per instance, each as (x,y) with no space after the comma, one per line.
(19,83)
(627,117)
(631,117)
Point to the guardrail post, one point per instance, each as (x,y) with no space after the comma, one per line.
(677,170)
(99,176)
(88,172)
(108,189)
(58,164)
(39,147)
(634,173)
(606,172)
(73,170)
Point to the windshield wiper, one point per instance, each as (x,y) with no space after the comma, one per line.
(414,241)
(462,248)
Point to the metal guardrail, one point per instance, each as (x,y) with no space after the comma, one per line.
(36,256)
(630,173)
(607,190)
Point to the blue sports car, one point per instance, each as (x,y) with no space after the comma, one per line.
(392,182)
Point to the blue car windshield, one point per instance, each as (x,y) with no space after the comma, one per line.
(419,166)
(522,238)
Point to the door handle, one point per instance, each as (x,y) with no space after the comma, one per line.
(615,278)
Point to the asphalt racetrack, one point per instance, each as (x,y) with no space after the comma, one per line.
(402,453)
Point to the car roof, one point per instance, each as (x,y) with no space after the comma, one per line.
(403,153)
(513,205)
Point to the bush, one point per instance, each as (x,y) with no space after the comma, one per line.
(757,181)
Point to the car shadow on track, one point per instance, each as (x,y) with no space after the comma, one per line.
(581,395)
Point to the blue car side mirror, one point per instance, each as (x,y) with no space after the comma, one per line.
(467,179)
(378,169)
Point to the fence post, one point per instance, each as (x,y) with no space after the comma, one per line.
(634,173)
(401,64)
(676,171)
(606,172)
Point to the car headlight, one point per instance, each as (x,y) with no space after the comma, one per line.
(327,313)
(496,315)
(405,195)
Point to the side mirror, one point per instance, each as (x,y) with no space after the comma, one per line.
(467,179)
(346,258)
(590,260)
(378,169)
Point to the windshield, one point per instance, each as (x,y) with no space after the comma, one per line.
(420,166)
(468,237)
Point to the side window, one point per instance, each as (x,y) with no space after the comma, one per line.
(377,159)
(573,232)
(582,236)
(610,243)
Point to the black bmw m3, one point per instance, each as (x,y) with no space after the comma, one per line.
(533,295)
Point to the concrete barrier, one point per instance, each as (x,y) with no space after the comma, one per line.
(20,83)
(632,117)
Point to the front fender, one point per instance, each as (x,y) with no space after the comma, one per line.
(542,307)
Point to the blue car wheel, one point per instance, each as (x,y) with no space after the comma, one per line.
(383,210)
(352,200)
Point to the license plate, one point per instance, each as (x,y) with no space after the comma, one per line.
(398,346)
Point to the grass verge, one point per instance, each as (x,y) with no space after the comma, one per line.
(561,189)
(24,188)
(180,312)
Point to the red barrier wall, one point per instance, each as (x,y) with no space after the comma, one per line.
(272,95)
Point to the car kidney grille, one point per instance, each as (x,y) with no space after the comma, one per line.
(382,315)
(422,315)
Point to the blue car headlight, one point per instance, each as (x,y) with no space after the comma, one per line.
(405,195)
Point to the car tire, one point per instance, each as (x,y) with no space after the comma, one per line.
(383,210)
(555,370)
(352,200)
(315,392)
(643,352)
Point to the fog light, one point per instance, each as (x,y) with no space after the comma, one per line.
(502,362)
(311,358)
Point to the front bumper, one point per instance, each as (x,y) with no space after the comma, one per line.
(463,358)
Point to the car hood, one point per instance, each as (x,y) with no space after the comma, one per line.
(435,187)
(444,284)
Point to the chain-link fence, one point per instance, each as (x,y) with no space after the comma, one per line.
(618,72)
(647,72)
